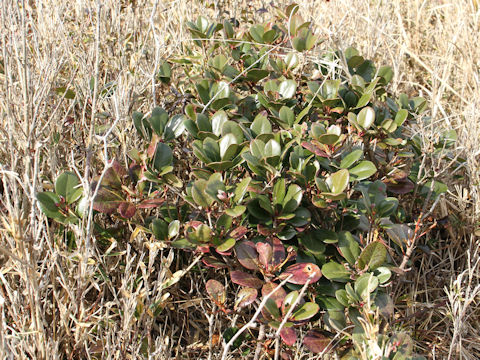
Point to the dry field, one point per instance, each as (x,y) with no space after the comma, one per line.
(52,299)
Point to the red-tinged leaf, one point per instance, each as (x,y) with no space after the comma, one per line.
(205,249)
(287,354)
(216,291)
(153,145)
(278,252)
(301,272)
(113,176)
(151,203)
(245,297)
(288,335)
(247,254)
(239,232)
(245,279)
(107,201)
(224,253)
(314,149)
(213,262)
(127,210)
(265,253)
(315,341)
(194,223)
(265,231)
(277,296)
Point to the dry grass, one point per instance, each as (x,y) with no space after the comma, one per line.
(61,304)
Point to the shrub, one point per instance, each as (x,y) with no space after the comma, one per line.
(288,174)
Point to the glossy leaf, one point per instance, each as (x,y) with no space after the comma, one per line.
(363,170)
(245,297)
(288,335)
(247,254)
(200,195)
(301,272)
(246,279)
(67,186)
(287,88)
(373,256)
(338,181)
(366,117)
(306,311)
(261,124)
(278,296)
(265,253)
(348,247)
(351,159)
(49,204)
(163,156)
(127,209)
(335,272)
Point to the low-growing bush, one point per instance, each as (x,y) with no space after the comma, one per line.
(287,170)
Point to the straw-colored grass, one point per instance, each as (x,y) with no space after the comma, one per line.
(61,304)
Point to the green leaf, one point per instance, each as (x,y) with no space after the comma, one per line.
(256,32)
(383,274)
(351,158)
(228,147)
(272,148)
(158,120)
(257,74)
(287,115)
(291,60)
(218,120)
(173,229)
(279,192)
(292,199)
(386,207)
(306,311)
(261,124)
(348,247)
(231,127)
(219,62)
(366,117)
(163,156)
(335,272)
(215,185)
(241,189)
(367,95)
(160,229)
(287,88)
(48,204)
(226,245)
(312,243)
(363,170)
(174,127)
(366,284)
(338,181)
(236,211)
(67,187)
(401,116)
(141,125)
(373,256)
(165,72)
(200,195)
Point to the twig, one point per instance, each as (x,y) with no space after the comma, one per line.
(251,323)
(288,314)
